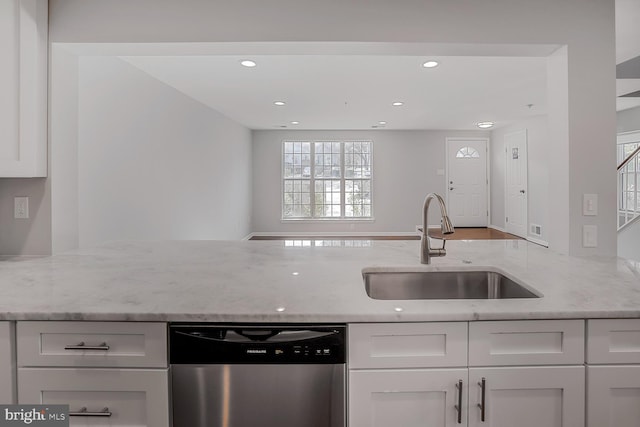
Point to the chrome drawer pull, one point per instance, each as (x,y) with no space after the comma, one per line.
(82,346)
(83,412)
(459,405)
(483,404)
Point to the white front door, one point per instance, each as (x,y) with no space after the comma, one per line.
(516,183)
(467,183)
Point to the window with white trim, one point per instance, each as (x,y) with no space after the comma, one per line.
(326,180)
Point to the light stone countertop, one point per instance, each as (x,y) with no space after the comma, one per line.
(216,281)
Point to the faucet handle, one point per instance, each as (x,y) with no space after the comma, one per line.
(444,241)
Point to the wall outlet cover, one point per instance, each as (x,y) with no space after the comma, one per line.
(590,204)
(589,236)
(21,207)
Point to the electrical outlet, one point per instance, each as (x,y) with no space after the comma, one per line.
(589,236)
(21,207)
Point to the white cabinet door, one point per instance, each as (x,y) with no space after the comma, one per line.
(7,363)
(527,397)
(613,396)
(23,85)
(408,345)
(111,397)
(407,398)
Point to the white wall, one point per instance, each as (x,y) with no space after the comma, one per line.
(30,236)
(629,120)
(539,150)
(405,167)
(585,27)
(153,163)
(629,242)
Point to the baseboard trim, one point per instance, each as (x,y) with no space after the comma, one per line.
(495,227)
(537,241)
(247,237)
(330,234)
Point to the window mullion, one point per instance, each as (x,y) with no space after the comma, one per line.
(312,182)
(342,181)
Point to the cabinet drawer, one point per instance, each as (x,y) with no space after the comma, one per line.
(613,341)
(95,344)
(407,345)
(7,364)
(535,342)
(112,397)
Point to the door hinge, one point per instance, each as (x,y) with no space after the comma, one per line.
(507,219)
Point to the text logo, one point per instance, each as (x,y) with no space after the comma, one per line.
(34,415)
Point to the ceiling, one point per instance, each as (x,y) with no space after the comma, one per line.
(333,87)
(357,91)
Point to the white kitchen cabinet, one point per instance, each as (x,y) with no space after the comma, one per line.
(407,397)
(23,85)
(7,363)
(407,345)
(92,344)
(526,342)
(383,392)
(110,397)
(96,365)
(549,396)
(613,396)
(613,373)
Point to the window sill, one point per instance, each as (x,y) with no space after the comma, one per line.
(319,220)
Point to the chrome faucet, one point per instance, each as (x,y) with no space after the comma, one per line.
(426,251)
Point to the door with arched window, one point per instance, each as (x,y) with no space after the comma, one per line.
(467,184)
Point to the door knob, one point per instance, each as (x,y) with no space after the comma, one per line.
(522,191)
(451,188)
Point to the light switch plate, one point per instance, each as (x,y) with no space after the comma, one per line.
(589,236)
(590,204)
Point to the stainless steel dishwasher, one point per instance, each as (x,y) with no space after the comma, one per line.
(248,375)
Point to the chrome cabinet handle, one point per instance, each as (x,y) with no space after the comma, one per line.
(482,405)
(459,405)
(83,412)
(83,346)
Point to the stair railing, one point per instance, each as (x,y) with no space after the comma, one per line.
(629,189)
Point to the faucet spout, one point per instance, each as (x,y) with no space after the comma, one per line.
(426,251)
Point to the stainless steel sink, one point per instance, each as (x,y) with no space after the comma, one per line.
(406,285)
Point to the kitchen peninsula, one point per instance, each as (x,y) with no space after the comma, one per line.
(580,336)
(215,281)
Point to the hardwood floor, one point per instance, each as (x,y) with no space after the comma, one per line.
(476,234)
(460,234)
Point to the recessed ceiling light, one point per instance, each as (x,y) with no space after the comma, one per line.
(382,123)
(485,125)
(295,123)
(430,64)
(279,103)
(397,104)
(248,63)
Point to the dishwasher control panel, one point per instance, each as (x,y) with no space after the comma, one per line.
(251,344)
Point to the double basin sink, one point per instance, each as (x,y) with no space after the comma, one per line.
(438,284)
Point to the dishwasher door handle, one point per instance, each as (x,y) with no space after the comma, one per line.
(249,335)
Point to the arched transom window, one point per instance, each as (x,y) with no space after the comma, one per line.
(468,153)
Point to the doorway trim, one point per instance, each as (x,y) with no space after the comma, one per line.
(487,143)
(525,131)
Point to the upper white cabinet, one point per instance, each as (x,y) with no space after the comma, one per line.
(23,85)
